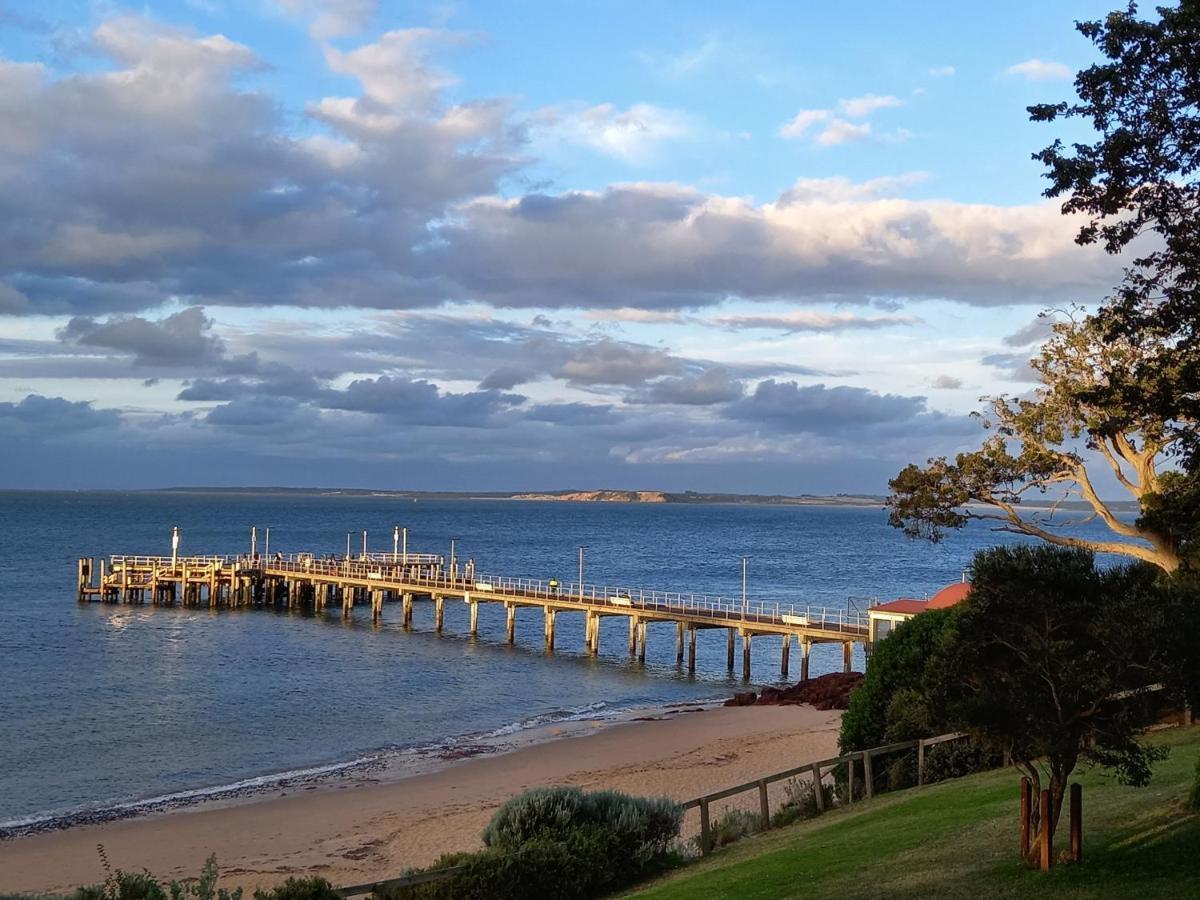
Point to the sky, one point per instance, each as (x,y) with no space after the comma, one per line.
(747,247)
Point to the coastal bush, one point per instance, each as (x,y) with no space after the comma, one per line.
(800,802)
(735,825)
(558,842)
(311,887)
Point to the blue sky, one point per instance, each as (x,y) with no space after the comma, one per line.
(749,247)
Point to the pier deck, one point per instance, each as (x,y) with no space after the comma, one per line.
(305,580)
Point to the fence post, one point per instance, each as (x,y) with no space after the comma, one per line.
(705,833)
(1077,822)
(868,779)
(764,808)
(1047,835)
(921,761)
(1026,810)
(817,792)
(850,779)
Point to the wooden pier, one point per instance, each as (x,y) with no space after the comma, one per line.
(302,580)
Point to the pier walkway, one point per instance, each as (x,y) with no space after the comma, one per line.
(302,580)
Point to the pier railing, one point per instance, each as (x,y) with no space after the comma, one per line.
(620,599)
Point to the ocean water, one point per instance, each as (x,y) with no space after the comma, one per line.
(104,704)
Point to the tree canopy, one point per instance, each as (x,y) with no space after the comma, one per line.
(1042,662)
(1119,390)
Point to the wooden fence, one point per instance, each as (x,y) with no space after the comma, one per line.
(814,769)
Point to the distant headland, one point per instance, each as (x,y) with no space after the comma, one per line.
(568,495)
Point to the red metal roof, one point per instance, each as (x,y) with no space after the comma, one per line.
(950,595)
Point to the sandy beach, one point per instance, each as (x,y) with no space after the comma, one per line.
(355,832)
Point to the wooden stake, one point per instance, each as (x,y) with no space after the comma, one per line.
(1047,834)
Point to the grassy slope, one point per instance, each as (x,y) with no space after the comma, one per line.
(959,839)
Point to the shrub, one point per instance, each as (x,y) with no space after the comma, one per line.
(558,842)
(800,802)
(734,825)
(311,887)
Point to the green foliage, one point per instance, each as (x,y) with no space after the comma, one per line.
(890,705)
(800,802)
(733,826)
(1047,659)
(311,887)
(559,842)
(121,885)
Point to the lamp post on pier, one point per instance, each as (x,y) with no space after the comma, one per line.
(744,602)
(253,542)
(267,545)
(174,545)
(453,560)
(364,555)
(395,542)
(580,573)
(347,545)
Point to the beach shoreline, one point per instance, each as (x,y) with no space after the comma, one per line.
(371,823)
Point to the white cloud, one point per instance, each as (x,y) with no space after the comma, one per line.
(861,107)
(332,18)
(1040,70)
(807,320)
(632,135)
(799,124)
(839,131)
(394,70)
(941,71)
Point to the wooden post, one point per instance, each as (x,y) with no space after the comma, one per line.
(921,761)
(474,617)
(847,655)
(439,612)
(679,643)
(764,807)
(705,832)
(746,638)
(1077,823)
(642,626)
(692,649)
(550,617)
(729,650)
(850,780)
(868,776)
(818,793)
(633,623)
(1047,834)
(347,599)
(783,655)
(594,648)
(511,611)
(1026,813)
(406,602)
(805,652)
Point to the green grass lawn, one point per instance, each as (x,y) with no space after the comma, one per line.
(959,839)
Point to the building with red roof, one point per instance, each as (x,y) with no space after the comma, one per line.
(883,618)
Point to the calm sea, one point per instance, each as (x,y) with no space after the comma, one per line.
(104,704)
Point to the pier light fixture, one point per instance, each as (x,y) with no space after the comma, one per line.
(267,544)
(581,573)
(395,542)
(404,544)
(347,545)
(174,545)
(453,559)
(364,556)
(253,541)
(744,602)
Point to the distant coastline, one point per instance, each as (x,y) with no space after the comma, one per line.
(567,495)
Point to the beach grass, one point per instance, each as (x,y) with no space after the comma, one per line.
(959,839)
